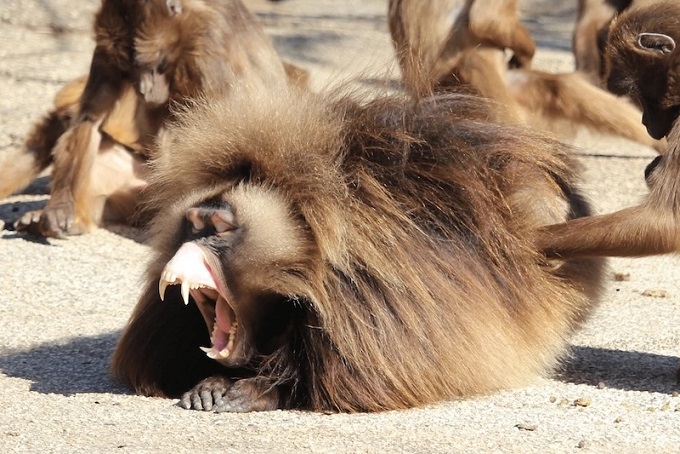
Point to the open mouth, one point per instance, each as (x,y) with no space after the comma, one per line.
(189,269)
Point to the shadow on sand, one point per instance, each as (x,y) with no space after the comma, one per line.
(80,365)
(76,366)
(620,369)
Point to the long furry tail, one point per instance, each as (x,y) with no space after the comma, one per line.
(20,168)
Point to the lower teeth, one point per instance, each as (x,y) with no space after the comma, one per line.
(212,353)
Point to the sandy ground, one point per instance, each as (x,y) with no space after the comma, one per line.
(63,303)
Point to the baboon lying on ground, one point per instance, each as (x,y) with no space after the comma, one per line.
(312,251)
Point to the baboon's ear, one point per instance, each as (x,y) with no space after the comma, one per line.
(656,42)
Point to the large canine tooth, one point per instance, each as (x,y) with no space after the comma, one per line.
(185,292)
(162,285)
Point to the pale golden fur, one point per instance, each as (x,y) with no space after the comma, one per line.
(430,35)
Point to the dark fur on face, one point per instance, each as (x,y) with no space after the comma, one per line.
(643,61)
(375,256)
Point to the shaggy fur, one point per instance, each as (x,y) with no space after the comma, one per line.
(429,37)
(392,241)
(22,168)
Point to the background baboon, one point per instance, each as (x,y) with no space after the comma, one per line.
(168,52)
(351,257)
(590,34)
(429,35)
(434,53)
(642,62)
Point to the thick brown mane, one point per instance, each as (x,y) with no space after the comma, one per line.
(416,280)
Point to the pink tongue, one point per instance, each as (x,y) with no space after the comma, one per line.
(220,340)
(223,323)
(223,315)
(188,264)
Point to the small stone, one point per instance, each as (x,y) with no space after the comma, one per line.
(618,420)
(654,293)
(629,406)
(581,444)
(583,402)
(601,385)
(526,426)
(621,277)
(564,402)
(553,399)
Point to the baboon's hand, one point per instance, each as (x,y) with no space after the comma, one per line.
(58,221)
(206,395)
(220,394)
(153,85)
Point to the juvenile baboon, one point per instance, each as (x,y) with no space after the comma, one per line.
(434,53)
(334,255)
(149,55)
(643,62)
(24,167)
